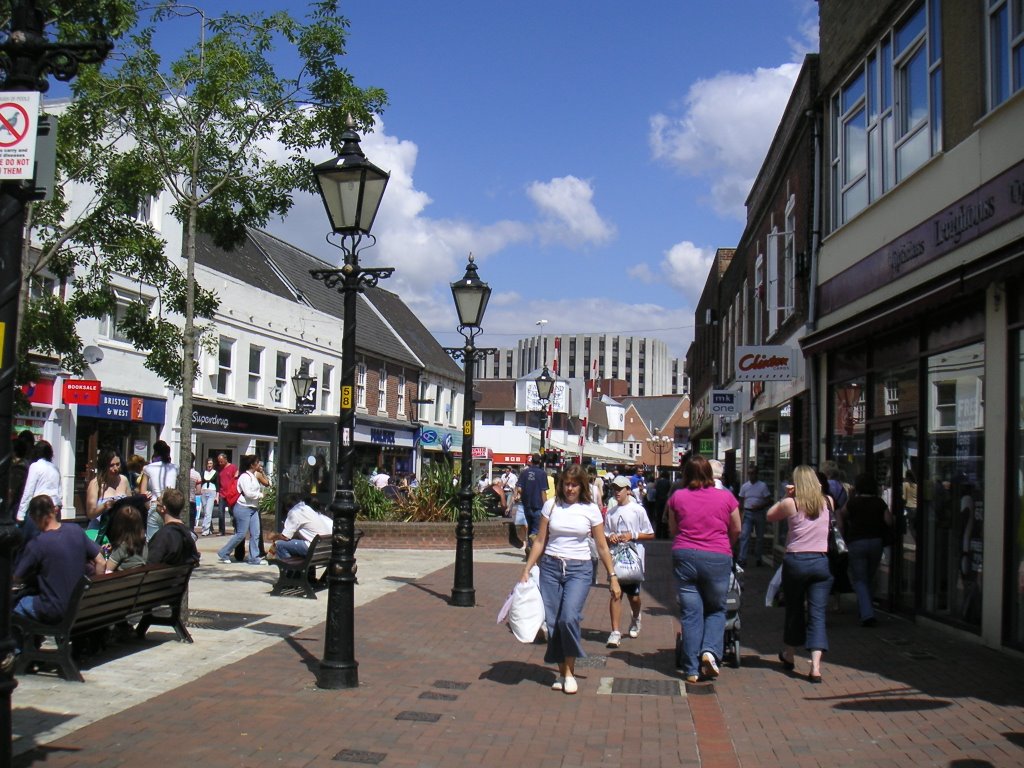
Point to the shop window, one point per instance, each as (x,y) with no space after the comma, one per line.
(225,358)
(849,408)
(896,392)
(255,371)
(492,418)
(954,498)
(886,118)
(1005,42)
(1015,507)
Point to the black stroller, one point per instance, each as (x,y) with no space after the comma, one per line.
(731,643)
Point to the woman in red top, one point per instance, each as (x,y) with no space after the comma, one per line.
(704,523)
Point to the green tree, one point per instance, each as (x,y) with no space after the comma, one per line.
(225,129)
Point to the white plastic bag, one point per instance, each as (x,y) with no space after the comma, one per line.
(773,589)
(526,609)
(628,564)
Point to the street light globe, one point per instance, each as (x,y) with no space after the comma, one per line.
(351,187)
(471,295)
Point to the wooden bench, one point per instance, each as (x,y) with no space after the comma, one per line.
(104,601)
(298,574)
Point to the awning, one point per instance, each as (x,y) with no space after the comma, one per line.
(591,450)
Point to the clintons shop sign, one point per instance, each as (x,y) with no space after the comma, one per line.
(765,364)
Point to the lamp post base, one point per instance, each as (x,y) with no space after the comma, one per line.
(337,675)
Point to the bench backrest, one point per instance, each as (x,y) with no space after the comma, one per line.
(319,553)
(115,595)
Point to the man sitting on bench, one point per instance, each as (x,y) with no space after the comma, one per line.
(303,523)
(174,543)
(53,563)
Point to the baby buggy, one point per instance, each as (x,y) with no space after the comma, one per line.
(731,640)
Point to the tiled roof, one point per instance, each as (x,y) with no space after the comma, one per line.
(496,394)
(423,344)
(654,411)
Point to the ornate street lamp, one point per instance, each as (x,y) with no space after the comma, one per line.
(27,60)
(471,295)
(660,445)
(302,383)
(545,383)
(351,187)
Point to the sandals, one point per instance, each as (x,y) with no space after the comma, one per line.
(789,666)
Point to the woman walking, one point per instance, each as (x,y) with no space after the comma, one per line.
(567,522)
(703,523)
(805,573)
(626,522)
(867,522)
(246,513)
(43,478)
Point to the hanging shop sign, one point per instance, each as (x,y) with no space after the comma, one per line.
(724,401)
(81,392)
(777,363)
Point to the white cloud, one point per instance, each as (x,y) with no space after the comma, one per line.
(724,131)
(567,211)
(686,266)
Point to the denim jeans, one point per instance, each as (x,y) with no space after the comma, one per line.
(564,585)
(702,580)
(806,577)
(865,555)
(247,520)
(206,502)
(753,522)
(291,548)
(532,520)
(154,521)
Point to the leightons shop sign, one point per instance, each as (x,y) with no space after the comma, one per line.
(765,363)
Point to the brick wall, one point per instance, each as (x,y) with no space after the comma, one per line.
(490,534)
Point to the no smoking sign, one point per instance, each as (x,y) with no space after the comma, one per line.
(19,117)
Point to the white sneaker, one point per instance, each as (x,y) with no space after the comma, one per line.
(634,627)
(708,665)
(224,560)
(614,639)
(558,684)
(569,685)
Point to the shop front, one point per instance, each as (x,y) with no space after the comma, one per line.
(385,444)
(125,423)
(234,432)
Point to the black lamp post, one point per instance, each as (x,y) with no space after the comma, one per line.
(351,187)
(27,60)
(304,386)
(471,295)
(545,383)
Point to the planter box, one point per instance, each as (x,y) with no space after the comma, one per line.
(488,534)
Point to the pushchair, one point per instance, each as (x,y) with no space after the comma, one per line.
(731,640)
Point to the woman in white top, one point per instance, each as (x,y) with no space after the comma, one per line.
(104,490)
(208,493)
(247,516)
(627,521)
(157,476)
(567,522)
(43,479)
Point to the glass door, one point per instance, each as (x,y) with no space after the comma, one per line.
(894,464)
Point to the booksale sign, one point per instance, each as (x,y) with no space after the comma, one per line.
(765,363)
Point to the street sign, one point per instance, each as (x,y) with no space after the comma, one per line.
(723,401)
(19,116)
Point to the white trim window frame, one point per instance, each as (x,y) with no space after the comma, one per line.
(772,292)
(886,119)
(254,393)
(382,389)
(1004,47)
(361,385)
(788,271)
(281,385)
(759,293)
(401,395)
(326,386)
(225,365)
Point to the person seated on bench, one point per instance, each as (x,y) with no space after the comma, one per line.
(53,564)
(127,534)
(173,543)
(303,523)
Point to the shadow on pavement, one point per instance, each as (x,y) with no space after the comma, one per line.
(516,672)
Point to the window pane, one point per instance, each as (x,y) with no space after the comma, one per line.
(853,92)
(914,87)
(912,154)
(886,75)
(282,366)
(999,60)
(936,111)
(224,353)
(855,200)
(872,87)
(255,359)
(888,142)
(1018,67)
(855,156)
(935,30)
(909,30)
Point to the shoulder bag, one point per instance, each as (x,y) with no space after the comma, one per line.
(838,552)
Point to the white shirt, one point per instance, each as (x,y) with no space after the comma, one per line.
(569,529)
(306,523)
(160,476)
(249,489)
(381,479)
(42,478)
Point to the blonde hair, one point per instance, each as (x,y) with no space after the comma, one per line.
(808,495)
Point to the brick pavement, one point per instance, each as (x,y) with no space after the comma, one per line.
(446,686)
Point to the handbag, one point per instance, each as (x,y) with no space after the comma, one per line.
(627,564)
(837,549)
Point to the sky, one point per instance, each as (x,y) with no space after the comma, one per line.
(590,155)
